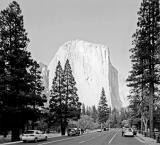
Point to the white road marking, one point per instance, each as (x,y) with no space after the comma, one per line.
(54,141)
(112,138)
(86,140)
(60,140)
(8,143)
(142,141)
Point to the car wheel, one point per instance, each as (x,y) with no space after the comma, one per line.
(35,140)
(24,141)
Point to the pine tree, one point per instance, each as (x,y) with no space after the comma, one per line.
(103,109)
(88,110)
(94,113)
(72,104)
(64,102)
(57,101)
(144,78)
(15,77)
(36,92)
(83,109)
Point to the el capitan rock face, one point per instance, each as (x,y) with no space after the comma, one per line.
(92,70)
(45,80)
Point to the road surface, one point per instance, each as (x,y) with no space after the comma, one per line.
(112,137)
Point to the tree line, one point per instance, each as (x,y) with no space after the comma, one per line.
(22,94)
(21,90)
(144,78)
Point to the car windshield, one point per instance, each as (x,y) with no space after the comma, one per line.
(29,132)
(129,129)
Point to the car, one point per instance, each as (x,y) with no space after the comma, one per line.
(105,129)
(99,130)
(33,135)
(73,131)
(134,131)
(128,132)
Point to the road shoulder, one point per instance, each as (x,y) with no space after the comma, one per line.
(146,140)
(51,135)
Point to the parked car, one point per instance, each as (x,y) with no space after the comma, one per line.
(73,131)
(128,132)
(33,135)
(105,129)
(134,131)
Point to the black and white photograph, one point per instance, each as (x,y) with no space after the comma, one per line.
(79,72)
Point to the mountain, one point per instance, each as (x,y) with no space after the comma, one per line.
(123,91)
(92,70)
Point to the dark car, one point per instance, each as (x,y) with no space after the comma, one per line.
(134,131)
(105,129)
(73,131)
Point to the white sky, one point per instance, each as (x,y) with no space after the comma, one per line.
(50,23)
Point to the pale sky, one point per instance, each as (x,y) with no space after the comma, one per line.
(50,23)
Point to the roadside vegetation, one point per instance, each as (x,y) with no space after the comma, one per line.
(144,77)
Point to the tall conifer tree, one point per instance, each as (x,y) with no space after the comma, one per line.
(37,95)
(14,75)
(16,78)
(94,113)
(83,109)
(103,109)
(144,78)
(57,101)
(72,104)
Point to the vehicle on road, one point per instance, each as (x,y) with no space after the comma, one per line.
(134,131)
(73,131)
(105,129)
(33,135)
(128,132)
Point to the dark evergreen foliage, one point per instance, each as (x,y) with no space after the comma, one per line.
(94,113)
(73,106)
(103,109)
(83,109)
(37,97)
(64,102)
(57,101)
(15,77)
(144,76)
(88,111)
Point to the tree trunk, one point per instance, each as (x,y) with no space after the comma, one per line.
(63,129)
(32,125)
(5,133)
(151,112)
(145,126)
(141,124)
(15,134)
(145,122)
(101,127)
(152,21)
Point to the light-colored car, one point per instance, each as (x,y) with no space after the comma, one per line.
(33,135)
(128,132)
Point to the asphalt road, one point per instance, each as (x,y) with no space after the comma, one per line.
(112,137)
